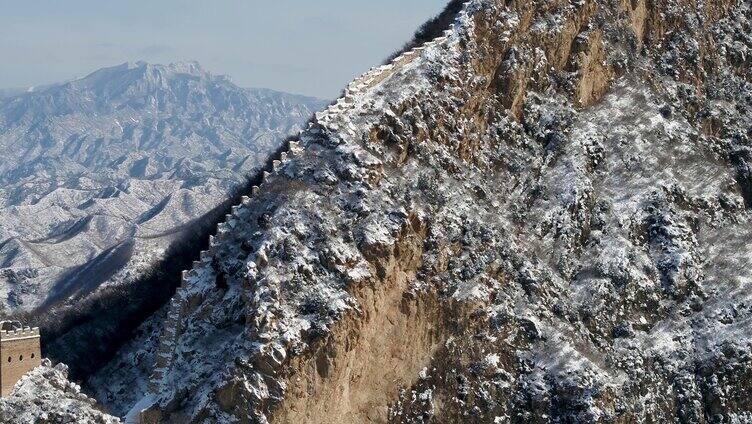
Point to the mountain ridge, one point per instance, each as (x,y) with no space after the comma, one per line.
(132,151)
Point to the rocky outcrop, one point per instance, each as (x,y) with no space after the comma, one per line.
(45,396)
(538,216)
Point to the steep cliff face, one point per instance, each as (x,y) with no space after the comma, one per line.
(540,216)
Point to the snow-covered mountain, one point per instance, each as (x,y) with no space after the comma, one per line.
(539,214)
(100,174)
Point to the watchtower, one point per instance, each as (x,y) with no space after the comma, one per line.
(20,352)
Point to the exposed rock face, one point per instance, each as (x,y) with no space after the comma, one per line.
(100,175)
(124,380)
(541,216)
(45,396)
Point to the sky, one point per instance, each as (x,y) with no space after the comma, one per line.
(311,47)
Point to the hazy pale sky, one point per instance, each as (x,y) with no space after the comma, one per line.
(311,47)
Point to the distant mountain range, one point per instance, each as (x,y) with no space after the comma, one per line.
(100,174)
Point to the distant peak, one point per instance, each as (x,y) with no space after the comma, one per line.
(119,77)
(191,67)
(134,65)
(188,67)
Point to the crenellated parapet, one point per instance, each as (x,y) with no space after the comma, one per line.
(25,332)
(180,304)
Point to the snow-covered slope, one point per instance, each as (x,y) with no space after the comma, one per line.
(100,174)
(45,396)
(540,216)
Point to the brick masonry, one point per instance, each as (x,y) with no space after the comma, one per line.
(19,353)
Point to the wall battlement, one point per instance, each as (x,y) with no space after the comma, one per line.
(20,333)
(182,298)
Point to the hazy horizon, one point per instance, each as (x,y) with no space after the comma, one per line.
(299,47)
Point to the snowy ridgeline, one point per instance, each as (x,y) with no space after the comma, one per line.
(103,173)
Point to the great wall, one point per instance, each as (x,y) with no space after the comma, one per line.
(184,299)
